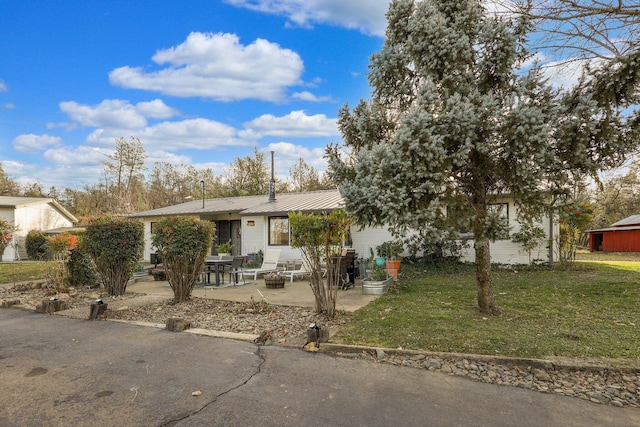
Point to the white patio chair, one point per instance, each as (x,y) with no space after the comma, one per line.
(269,264)
(302,271)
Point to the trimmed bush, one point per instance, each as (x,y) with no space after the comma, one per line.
(81,269)
(116,245)
(183,244)
(37,245)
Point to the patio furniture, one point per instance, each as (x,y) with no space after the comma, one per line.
(216,263)
(236,270)
(302,271)
(269,264)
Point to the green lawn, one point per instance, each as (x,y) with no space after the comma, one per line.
(592,311)
(22,271)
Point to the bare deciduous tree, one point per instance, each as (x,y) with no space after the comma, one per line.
(123,173)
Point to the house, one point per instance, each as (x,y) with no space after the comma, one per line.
(622,236)
(258,223)
(31,213)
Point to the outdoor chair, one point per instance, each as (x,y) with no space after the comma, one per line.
(269,264)
(302,271)
(235,270)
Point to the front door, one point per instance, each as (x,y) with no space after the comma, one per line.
(229,230)
(236,237)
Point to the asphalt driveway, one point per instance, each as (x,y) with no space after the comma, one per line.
(57,371)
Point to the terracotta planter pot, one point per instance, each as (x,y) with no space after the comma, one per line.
(393,264)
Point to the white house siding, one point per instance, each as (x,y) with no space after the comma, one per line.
(507,252)
(254,237)
(256,210)
(41,217)
(362,240)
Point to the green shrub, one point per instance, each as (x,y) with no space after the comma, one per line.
(81,269)
(390,250)
(36,245)
(183,244)
(318,237)
(116,245)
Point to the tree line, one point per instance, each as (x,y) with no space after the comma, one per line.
(125,186)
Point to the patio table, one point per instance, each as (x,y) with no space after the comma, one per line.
(216,263)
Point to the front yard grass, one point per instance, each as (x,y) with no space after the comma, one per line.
(11,272)
(590,311)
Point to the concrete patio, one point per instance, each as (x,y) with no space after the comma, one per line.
(296,293)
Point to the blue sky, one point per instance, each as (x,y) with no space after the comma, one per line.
(199,82)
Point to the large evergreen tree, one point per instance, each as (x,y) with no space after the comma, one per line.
(453,124)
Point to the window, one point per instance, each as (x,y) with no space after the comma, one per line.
(501,209)
(153,226)
(279,231)
(500,212)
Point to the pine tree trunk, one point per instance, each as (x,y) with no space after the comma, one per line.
(486,299)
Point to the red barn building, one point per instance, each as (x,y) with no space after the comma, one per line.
(622,236)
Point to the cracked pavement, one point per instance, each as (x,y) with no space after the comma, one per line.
(61,371)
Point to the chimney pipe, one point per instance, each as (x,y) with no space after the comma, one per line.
(272,183)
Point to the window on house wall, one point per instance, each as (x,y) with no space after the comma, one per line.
(501,209)
(278,231)
(153,226)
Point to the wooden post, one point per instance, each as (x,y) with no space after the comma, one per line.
(51,306)
(97,310)
(317,333)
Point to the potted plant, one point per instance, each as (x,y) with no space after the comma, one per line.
(378,283)
(392,250)
(224,249)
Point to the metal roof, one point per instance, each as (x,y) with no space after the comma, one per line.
(630,220)
(627,228)
(308,202)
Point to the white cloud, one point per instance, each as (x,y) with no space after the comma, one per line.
(294,125)
(308,96)
(3,86)
(110,112)
(155,109)
(287,154)
(198,134)
(565,74)
(57,175)
(167,157)
(217,66)
(76,157)
(30,143)
(367,16)
(13,167)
